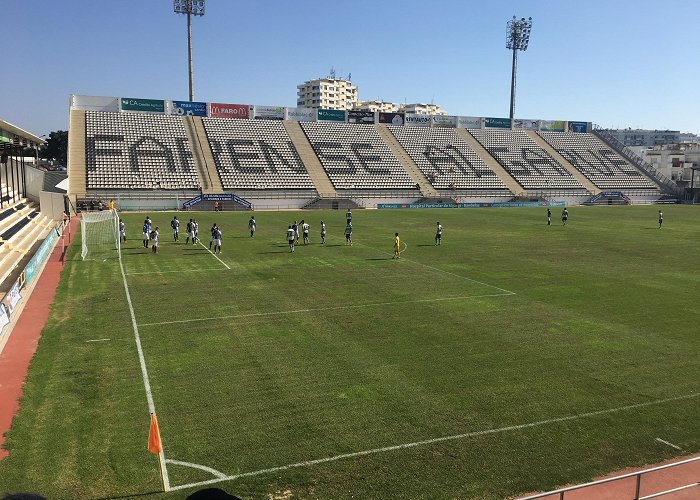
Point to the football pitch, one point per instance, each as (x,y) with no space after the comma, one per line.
(515,357)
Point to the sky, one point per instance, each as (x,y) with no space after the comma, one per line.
(621,63)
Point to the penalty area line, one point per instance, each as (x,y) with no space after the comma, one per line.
(332,308)
(213,254)
(196,270)
(454,437)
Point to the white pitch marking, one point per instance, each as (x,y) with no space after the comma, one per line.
(96,340)
(435,440)
(352,306)
(144,371)
(215,472)
(177,271)
(670,444)
(205,248)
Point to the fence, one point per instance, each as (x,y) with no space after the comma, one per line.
(638,483)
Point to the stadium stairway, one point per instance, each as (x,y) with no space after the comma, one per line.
(426,189)
(21,227)
(201,154)
(77,173)
(515,188)
(318,175)
(585,181)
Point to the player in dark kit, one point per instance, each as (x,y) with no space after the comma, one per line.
(661,218)
(549,217)
(190,232)
(175,224)
(564,216)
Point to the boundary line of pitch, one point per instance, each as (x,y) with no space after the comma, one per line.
(415,444)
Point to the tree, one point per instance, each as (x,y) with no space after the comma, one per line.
(56,147)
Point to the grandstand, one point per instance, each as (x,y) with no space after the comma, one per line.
(152,160)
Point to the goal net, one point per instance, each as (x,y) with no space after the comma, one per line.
(100,235)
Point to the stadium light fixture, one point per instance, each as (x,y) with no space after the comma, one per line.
(189,8)
(517,38)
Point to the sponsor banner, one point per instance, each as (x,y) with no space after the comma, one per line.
(391,118)
(268,112)
(13,297)
(192,201)
(497,122)
(579,127)
(143,105)
(219,110)
(94,103)
(300,114)
(553,125)
(4,317)
(188,108)
(361,117)
(39,257)
(469,122)
(418,120)
(331,115)
(473,205)
(526,124)
(445,121)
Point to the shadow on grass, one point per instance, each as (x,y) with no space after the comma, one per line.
(379,258)
(135,495)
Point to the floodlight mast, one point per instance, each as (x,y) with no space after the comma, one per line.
(517,38)
(190,8)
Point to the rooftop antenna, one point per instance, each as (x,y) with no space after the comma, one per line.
(332,73)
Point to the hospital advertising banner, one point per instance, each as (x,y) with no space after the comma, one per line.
(553,125)
(497,122)
(417,120)
(444,121)
(142,105)
(300,114)
(361,117)
(188,108)
(218,110)
(391,118)
(469,122)
(578,127)
(268,113)
(526,124)
(331,115)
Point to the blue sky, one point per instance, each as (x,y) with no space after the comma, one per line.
(621,63)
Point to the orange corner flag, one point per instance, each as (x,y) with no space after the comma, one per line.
(154,436)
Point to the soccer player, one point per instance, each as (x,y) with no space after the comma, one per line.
(196,232)
(549,217)
(251,226)
(213,237)
(290,238)
(323,233)
(190,232)
(154,240)
(122,230)
(397,247)
(348,234)
(348,217)
(305,231)
(438,235)
(146,233)
(175,224)
(295,226)
(661,218)
(216,234)
(564,216)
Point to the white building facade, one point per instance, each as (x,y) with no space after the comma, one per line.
(327,93)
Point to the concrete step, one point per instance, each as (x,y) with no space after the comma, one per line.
(318,175)
(491,162)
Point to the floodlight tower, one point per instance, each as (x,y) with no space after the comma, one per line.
(517,38)
(190,8)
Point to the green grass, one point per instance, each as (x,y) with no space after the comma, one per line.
(287,358)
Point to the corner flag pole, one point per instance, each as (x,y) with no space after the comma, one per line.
(155,447)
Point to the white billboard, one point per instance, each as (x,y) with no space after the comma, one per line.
(300,114)
(444,121)
(268,112)
(526,124)
(94,103)
(469,122)
(417,120)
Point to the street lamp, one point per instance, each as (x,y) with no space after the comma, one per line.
(517,38)
(190,8)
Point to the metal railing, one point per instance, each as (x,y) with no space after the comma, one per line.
(638,483)
(636,160)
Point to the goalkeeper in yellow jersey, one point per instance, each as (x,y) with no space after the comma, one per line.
(397,247)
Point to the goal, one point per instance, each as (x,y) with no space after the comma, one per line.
(100,235)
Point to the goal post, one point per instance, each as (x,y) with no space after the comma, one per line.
(100,235)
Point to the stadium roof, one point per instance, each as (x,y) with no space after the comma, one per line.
(9,129)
